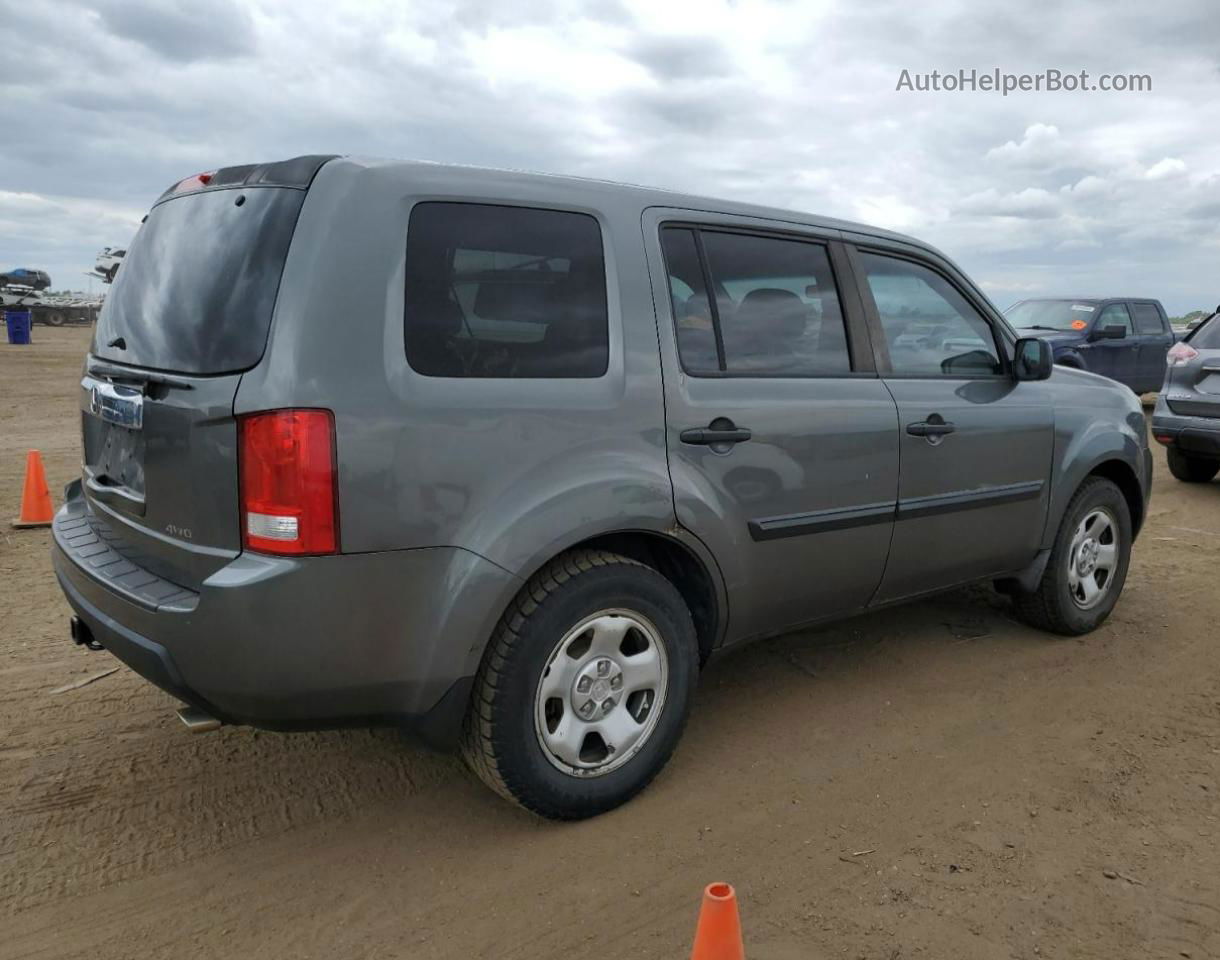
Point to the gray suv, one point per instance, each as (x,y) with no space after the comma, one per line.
(504,458)
(1187,415)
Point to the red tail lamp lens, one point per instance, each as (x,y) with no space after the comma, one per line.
(288,482)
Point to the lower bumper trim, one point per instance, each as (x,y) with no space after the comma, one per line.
(439,727)
(1205,443)
(150,660)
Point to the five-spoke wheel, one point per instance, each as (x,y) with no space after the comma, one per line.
(1087,565)
(1093,557)
(585,687)
(601,693)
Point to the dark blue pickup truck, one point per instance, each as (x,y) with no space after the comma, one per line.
(1123,338)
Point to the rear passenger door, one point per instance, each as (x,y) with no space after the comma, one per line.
(1154,338)
(783,445)
(975,444)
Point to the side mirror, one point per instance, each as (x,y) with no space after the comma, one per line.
(1115,331)
(1033,359)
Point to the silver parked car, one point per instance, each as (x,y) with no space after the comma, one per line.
(1187,415)
(504,458)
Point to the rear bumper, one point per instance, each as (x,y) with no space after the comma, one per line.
(1193,435)
(380,638)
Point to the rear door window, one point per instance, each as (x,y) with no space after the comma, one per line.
(775,309)
(497,291)
(693,322)
(1147,318)
(199,282)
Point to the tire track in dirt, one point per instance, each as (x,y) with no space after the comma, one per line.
(996,775)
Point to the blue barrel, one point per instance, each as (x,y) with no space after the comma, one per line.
(18,323)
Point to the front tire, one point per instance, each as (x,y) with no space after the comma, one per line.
(1087,566)
(585,687)
(1190,469)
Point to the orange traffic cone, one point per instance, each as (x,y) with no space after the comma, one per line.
(36,509)
(718,935)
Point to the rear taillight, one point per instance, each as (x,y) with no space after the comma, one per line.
(288,482)
(1180,353)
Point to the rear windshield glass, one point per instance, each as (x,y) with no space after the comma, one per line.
(1051,314)
(198,283)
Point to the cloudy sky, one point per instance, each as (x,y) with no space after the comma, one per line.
(104,104)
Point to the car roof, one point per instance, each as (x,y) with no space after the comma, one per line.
(588,191)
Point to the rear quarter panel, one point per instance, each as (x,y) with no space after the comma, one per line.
(513,470)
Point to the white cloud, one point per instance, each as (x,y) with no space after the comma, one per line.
(1040,144)
(1169,167)
(890,212)
(1088,186)
(786,104)
(1031,203)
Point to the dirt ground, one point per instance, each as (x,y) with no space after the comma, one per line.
(932,781)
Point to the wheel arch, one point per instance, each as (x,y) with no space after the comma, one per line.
(1100,430)
(682,566)
(675,555)
(1111,466)
(1121,474)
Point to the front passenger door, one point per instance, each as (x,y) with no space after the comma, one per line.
(975,445)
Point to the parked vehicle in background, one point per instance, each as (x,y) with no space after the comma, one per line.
(1122,338)
(570,439)
(22,286)
(1187,415)
(1199,321)
(57,309)
(108,263)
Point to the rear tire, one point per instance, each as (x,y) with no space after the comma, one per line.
(1087,567)
(595,644)
(1190,469)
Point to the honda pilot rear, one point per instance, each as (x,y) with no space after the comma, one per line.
(200,544)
